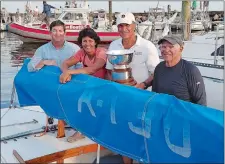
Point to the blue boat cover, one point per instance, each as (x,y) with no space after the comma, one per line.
(142,125)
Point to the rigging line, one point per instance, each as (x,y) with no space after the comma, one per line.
(46,129)
(213,78)
(3,160)
(16,97)
(29,109)
(5,113)
(197,58)
(144,125)
(12,99)
(13,93)
(66,118)
(21,123)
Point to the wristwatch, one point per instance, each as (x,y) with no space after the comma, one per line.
(146,85)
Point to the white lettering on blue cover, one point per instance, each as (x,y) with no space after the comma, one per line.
(139,131)
(145,130)
(86,98)
(99,103)
(184,151)
(113,110)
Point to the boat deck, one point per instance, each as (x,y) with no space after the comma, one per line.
(30,147)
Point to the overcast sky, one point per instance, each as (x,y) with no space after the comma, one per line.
(118,6)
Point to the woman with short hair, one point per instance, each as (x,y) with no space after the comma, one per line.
(90,55)
(93,59)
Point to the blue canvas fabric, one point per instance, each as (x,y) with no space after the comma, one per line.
(142,125)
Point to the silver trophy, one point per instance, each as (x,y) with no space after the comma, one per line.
(120,59)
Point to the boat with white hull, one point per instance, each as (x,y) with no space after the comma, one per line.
(145,28)
(207,52)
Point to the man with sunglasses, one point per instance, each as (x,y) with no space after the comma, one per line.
(54,52)
(176,76)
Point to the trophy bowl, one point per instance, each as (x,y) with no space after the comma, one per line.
(120,57)
(121,72)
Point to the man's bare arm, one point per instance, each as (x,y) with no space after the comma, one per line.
(109,74)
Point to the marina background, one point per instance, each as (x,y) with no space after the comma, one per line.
(117,6)
(139,8)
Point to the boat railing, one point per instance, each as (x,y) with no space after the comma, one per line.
(180,23)
(218,22)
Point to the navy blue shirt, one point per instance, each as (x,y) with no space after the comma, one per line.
(183,80)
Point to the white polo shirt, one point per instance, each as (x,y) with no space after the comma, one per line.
(145,57)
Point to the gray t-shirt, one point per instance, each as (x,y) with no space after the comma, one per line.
(183,80)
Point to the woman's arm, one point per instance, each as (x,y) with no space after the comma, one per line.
(68,63)
(100,63)
(66,76)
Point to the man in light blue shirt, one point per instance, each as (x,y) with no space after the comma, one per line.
(54,52)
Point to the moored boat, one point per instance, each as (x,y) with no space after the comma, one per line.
(75,19)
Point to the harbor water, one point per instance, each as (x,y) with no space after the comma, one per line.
(13,52)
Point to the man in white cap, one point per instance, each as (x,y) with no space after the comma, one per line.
(145,57)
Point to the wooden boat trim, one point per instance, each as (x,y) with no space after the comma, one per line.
(61,155)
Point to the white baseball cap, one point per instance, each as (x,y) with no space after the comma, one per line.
(127,18)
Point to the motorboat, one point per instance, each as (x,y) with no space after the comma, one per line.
(75,19)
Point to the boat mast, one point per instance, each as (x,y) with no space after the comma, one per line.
(186,19)
(110,14)
(215,52)
(85,4)
(153,29)
(28,6)
(201,5)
